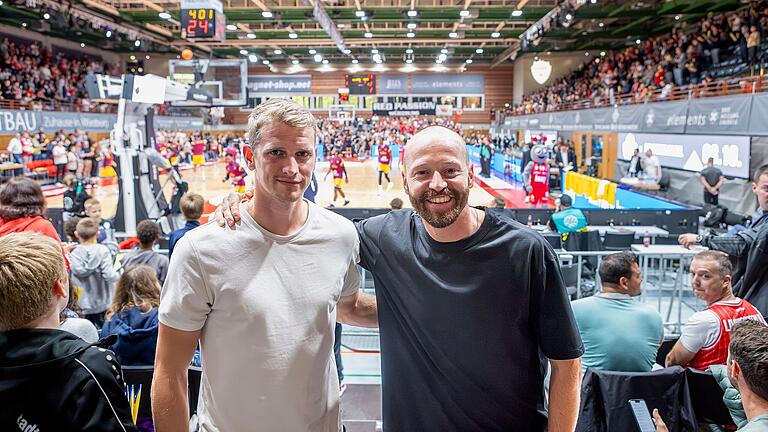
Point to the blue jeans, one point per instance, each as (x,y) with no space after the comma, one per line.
(19,160)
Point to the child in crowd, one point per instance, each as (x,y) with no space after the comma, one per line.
(133,316)
(93,211)
(148,232)
(92,270)
(192,206)
(50,379)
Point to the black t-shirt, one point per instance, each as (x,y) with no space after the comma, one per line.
(463,324)
(711,175)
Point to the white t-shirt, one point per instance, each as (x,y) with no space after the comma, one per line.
(266,305)
(702,329)
(652,167)
(14,146)
(59,155)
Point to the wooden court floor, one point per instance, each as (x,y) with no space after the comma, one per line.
(362,190)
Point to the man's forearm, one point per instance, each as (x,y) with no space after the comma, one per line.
(735,245)
(170,407)
(564,392)
(363,314)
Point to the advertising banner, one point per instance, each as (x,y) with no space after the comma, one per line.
(691,152)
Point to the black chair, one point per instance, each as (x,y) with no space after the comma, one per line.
(707,399)
(141,378)
(618,241)
(585,241)
(664,181)
(665,348)
(554,240)
(570,274)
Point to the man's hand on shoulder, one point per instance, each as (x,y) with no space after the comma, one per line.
(228,212)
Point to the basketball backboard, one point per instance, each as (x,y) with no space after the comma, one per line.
(224,80)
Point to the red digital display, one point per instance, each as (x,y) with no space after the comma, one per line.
(360,84)
(201,24)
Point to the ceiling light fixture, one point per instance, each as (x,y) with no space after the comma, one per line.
(137,43)
(355,61)
(444,51)
(313,51)
(411,25)
(601,25)
(250,36)
(318,58)
(469,61)
(277,52)
(265,61)
(164,15)
(243,52)
(325,61)
(412,13)
(46,16)
(231,27)
(109,33)
(266,14)
(82,45)
(295,61)
(495,34)
(293,35)
(517,13)
(464,13)
(360,13)
(410,34)
(253,58)
(453,35)
(409,51)
(368,35)
(374,51)
(479,51)
(409,61)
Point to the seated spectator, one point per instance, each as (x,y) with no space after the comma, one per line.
(22,208)
(70,319)
(133,316)
(148,232)
(615,307)
(93,211)
(705,336)
(192,206)
(93,272)
(567,219)
(50,380)
(748,372)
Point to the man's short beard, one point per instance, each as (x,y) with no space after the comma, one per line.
(444,219)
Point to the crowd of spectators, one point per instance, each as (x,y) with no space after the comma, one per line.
(653,68)
(33,76)
(356,138)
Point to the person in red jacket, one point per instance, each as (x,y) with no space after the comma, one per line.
(536,176)
(22,206)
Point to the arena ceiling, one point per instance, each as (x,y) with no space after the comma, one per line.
(283,31)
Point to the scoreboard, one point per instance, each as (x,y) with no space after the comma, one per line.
(202,20)
(360,84)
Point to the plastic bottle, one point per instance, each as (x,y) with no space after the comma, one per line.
(646,239)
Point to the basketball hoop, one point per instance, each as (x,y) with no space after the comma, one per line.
(341,113)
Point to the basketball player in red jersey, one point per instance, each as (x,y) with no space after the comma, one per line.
(706,335)
(385,160)
(198,151)
(235,173)
(339,174)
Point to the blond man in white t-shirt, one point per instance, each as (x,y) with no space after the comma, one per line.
(263,298)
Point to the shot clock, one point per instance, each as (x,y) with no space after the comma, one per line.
(202,20)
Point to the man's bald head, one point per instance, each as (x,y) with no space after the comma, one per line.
(432,135)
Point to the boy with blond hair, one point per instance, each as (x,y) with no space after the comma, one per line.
(92,270)
(93,211)
(49,378)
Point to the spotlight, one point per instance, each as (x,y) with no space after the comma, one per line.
(495,35)
(313,51)
(325,61)
(46,16)
(374,51)
(360,14)
(410,34)
(409,51)
(147,57)
(265,61)
(568,16)
(355,61)
(243,52)
(517,13)
(293,35)
(109,33)
(602,53)
(277,52)
(593,1)
(601,25)
(411,25)
(479,51)
(133,57)
(444,51)
(250,36)
(368,35)
(164,15)
(677,17)
(295,61)
(137,43)
(464,13)
(318,58)
(412,13)
(637,41)
(82,45)
(453,35)
(253,58)
(409,61)
(347,51)
(586,54)
(469,61)
(231,27)
(24,24)
(266,14)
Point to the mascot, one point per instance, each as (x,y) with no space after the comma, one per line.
(536,176)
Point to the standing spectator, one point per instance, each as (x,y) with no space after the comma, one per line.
(22,206)
(73,161)
(712,179)
(616,306)
(753,43)
(705,336)
(59,154)
(148,233)
(192,206)
(93,272)
(15,148)
(651,166)
(634,164)
(133,316)
(50,379)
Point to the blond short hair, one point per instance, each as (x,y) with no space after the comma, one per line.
(192,205)
(91,202)
(30,264)
(281,110)
(86,229)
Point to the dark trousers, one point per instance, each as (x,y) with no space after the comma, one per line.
(337,352)
(97,319)
(60,170)
(709,198)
